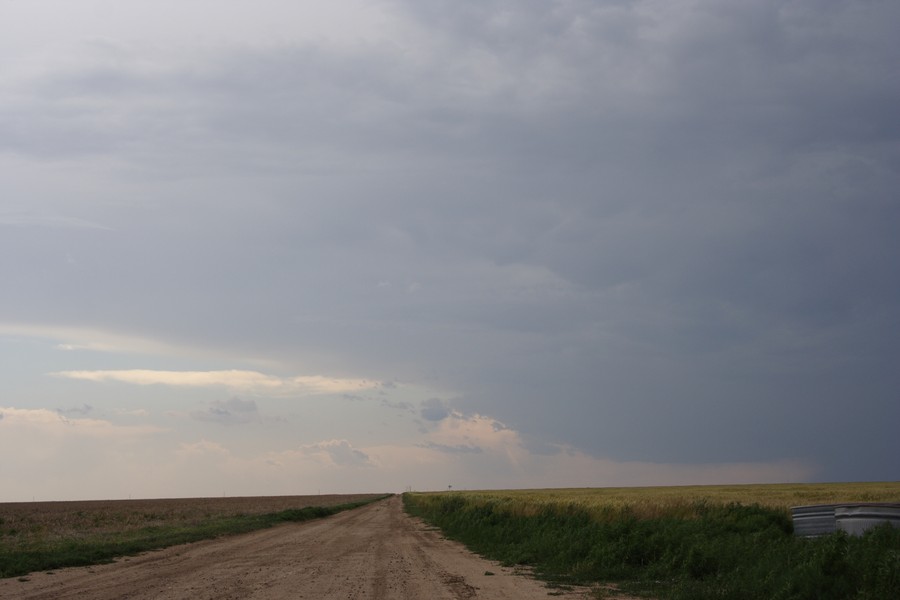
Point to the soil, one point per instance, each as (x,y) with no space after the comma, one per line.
(376,552)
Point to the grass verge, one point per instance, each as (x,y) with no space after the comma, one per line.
(46,555)
(733,551)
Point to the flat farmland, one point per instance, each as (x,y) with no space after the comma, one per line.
(26,524)
(375,552)
(48,535)
(682,501)
(680,543)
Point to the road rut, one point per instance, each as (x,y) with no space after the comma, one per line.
(373,553)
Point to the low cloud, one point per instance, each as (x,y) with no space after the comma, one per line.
(50,421)
(72,338)
(78,411)
(479,452)
(93,347)
(135,412)
(202,448)
(230,412)
(457,449)
(398,405)
(82,455)
(252,382)
(338,452)
(434,410)
(477,431)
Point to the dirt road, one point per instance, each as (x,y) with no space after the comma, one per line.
(375,552)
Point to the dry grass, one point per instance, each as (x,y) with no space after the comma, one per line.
(24,524)
(682,501)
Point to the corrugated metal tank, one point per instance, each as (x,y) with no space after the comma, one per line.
(856,518)
(851,517)
(813,520)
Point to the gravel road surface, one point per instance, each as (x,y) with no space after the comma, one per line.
(375,552)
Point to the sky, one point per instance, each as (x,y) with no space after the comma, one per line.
(287,247)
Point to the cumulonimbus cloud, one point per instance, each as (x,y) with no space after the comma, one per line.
(245,381)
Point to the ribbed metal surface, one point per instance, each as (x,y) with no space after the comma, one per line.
(815,520)
(857,518)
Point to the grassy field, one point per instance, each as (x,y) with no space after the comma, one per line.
(38,536)
(695,542)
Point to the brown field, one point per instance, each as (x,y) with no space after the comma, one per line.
(26,523)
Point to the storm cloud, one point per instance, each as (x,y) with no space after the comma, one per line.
(649,231)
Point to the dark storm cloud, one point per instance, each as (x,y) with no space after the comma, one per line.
(658,231)
(732,231)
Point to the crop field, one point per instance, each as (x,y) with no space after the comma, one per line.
(41,535)
(25,523)
(694,542)
(683,501)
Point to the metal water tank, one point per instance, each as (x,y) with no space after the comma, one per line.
(813,520)
(857,518)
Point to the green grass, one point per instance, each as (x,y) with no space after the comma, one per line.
(720,551)
(44,555)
